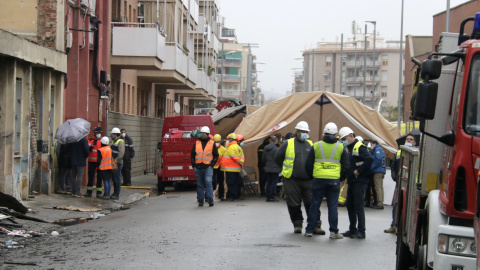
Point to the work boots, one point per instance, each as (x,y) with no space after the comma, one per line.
(318,231)
(392,230)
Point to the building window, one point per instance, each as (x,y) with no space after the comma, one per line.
(328,60)
(328,77)
(385,60)
(384,76)
(384,91)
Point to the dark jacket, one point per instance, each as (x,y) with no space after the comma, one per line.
(129,150)
(344,160)
(63,156)
(260,149)
(268,158)
(365,169)
(395,168)
(78,153)
(301,152)
(378,165)
(194,153)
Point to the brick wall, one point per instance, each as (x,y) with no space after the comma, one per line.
(47,23)
(145,132)
(457,15)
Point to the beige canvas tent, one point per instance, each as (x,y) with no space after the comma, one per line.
(317,108)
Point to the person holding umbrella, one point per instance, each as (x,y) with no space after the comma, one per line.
(72,133)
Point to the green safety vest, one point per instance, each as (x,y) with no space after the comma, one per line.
(290,157)
(327,168)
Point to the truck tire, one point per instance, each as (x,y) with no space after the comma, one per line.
(422,258)
(161,186)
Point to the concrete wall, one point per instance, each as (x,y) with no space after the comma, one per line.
(145,132)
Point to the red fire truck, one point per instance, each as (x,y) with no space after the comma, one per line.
(176,147)
(437,185)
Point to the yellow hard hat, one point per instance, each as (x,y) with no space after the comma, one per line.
(232,136)
(217,138)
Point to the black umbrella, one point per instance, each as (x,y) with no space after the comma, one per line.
(416,134)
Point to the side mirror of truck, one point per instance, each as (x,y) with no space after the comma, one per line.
(426,100)
(448,138)
(159,146)
(431,69)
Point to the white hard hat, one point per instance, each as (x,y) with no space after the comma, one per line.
(105,140)
(115,130)
(344,131)
(359,138)
(330,128)
(369,145)
(302,125)
(205,129)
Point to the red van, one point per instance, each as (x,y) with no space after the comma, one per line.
(176,146)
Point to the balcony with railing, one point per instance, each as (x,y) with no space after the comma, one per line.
(360,63)
(359,79)
(138,45)
(229,77)
(230,62)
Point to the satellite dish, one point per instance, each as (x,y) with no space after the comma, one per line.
(176,107)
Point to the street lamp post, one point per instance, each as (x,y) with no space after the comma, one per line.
(374,58)
(341,63)
(400,72)
(355,75)
(365,65)
(313,70)
(221,75)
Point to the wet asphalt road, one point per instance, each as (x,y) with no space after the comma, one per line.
(172,232)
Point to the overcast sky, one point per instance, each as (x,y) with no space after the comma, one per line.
(284,28)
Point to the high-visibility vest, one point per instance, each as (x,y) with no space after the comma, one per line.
(221,152)
(92,155)
(290,157)
(204,156)
(106,162)
(233,158)
(327,168)
(114,147)
(399,154)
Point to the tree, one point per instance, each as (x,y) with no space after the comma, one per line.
(392,113)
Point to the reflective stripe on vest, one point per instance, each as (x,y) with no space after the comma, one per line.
(92,155)
(106,162)
(290,158)
(204,156)
(356,147)
(327,168)
(399,154)
(230,160)
(114,147)
(221,152)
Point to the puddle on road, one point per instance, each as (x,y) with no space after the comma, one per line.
(276,245)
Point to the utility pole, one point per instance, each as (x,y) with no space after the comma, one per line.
(374,59)
(249,75)
(313,70)
(355,75)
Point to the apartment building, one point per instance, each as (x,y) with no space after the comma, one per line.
(235,58)
(374,82)
(163,53)
(33,74)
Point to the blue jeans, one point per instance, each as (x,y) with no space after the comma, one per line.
(271,179)
(329,188)
(204,184)
(107,185)
(117,181)
(355,206)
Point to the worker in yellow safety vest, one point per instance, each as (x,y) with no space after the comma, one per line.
(297,185)
(326,163)
(232,163)
(218,174)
